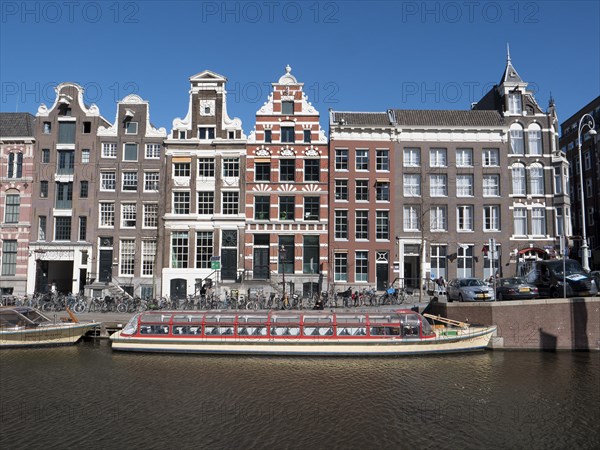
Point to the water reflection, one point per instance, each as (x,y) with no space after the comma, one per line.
(88,395)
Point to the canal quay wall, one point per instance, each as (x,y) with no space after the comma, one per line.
(546,324)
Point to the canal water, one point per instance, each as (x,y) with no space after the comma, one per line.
(88,396)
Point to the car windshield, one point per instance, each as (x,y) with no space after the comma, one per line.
(471,282)
(571,267)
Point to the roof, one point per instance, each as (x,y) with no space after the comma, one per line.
(16,125)
(379,119)
(448,118)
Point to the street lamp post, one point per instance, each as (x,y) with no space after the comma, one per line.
(282,252)
(584,246)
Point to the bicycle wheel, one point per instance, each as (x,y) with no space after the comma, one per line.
(79,307)
(122,308)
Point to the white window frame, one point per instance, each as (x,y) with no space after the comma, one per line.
(464,213)
(126,257)
(151,181)
(411,218)
(520,221)
(464,185)
(106,215)
(412,185)
(438,157)
(109,150)
(152,151)
(464,157)
(438,218)
(107,179)
(491,218)
(534,140)
(128,215)
(519,180)
(412,157)
(490,157)
(438,185)
(150,213)
(491,185)
(517,142)
(538,221)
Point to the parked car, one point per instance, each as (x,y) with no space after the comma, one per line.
(469,290)
(515,288)
(596,277)
(552,281)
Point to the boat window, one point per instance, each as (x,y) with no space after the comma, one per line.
(427,329)
(131,326)
(186,329)
(211,331)
(260,331)
(318,331)
(183,318)
(380,319)
(385,331)
(156,318)
(359,331)
(285,331)
(287,318)
(343,331)
(317,320)
(154,329)
(348,319)
(410,325)
(254,319)
(12,319)
(33,315)
(226,331)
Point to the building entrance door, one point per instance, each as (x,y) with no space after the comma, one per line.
(261,263)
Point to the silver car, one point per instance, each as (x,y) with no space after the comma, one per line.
(469,290)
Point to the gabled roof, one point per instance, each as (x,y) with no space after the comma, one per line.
(16,125)
(378,119)
(208,75)
(448,118)
(510,75)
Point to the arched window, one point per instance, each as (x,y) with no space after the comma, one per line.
(15,165)
(536,179)
(518,180)
(534,139)
(516,139)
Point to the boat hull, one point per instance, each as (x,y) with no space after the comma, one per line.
(63,334)
(475,338)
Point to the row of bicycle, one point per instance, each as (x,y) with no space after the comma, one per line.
(79,303)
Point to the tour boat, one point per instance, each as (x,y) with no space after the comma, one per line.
(22,326)
(399,332)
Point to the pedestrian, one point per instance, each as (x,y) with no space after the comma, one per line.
(441,286)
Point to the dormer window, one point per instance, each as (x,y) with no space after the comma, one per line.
(131,127)
(206,133)
(287,108)
(514,103)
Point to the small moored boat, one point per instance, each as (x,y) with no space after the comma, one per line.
(22,326)
(401,332)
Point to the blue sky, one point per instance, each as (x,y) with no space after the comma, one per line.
(351,55)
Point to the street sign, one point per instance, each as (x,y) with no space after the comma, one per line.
(215,262)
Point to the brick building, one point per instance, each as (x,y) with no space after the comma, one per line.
(128,183)
(590,150)
(204,216)
(64,199)
(421,193)
(287,192)
(16,184)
